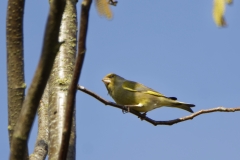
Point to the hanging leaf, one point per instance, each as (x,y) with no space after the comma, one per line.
(103,8)
(218,12)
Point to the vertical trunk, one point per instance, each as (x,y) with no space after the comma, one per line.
(59,82)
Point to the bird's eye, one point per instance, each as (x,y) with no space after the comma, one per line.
(111,76)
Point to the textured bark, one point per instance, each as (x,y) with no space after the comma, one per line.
(41,146)
(31,102)
(85,7)
(59,82)
(15,64)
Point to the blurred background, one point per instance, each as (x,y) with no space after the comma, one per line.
(173,47)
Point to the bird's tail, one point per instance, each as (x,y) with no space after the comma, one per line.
(182,105)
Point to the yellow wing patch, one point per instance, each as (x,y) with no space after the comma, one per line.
(154,93)
(137,87)
(130,86)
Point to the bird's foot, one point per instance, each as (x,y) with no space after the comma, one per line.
(125,109)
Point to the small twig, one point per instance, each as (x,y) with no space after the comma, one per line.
(144,117)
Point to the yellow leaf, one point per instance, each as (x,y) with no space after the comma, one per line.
(218,12)
(103,8)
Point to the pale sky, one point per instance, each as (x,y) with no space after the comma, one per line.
(173,47)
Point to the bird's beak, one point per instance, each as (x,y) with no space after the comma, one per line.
(106,81)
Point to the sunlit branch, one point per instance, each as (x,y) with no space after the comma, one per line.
(85,7)
(144,117)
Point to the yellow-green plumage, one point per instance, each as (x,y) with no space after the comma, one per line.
(138,96)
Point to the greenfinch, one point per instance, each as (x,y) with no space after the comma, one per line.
(139,97)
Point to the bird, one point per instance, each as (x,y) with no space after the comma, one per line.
(138,97)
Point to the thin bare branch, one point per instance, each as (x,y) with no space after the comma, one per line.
(85,6)
(30,104)
(155,123)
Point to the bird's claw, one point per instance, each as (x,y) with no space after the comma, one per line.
(125,110)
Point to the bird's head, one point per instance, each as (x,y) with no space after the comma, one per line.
(111,80)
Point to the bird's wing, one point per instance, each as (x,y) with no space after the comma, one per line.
(137,87)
